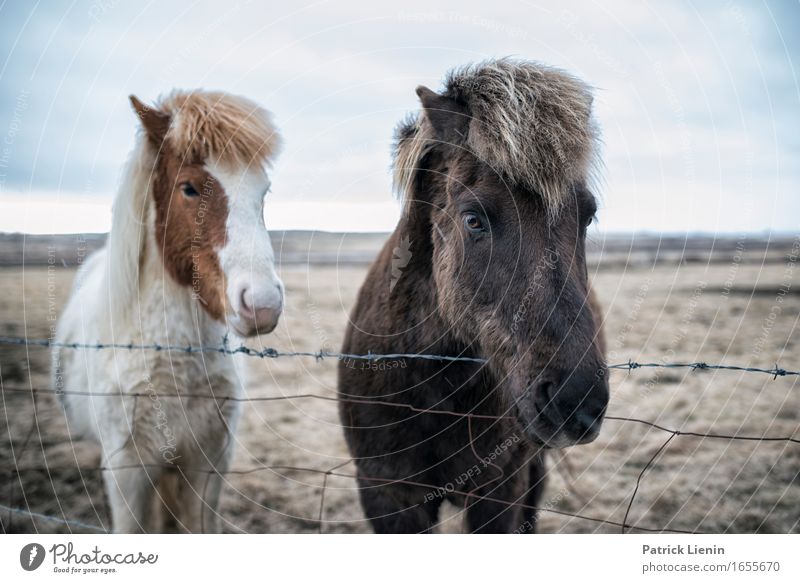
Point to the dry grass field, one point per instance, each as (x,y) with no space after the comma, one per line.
(742,307)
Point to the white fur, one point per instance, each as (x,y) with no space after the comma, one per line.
(247,257)
(124,295)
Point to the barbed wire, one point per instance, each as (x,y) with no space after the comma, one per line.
(225,348)
(774,372)
(631,365)
(268,352)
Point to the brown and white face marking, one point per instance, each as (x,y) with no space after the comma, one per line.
(210,229)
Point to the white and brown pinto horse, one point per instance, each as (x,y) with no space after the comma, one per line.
(188,259)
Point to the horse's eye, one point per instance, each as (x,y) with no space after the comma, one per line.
(473,223)
(188,190)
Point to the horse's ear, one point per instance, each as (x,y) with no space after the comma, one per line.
(449,118)
(154,122)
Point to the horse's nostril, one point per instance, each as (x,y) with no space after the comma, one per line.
(574,405)
(544,399)
(246,307)
(549,390)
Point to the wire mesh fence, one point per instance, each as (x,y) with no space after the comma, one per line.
(225,348)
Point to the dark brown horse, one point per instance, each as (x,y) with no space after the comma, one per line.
(487,261)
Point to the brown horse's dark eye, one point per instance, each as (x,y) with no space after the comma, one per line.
(189,190)
(473,223)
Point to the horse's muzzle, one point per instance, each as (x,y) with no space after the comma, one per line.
(559,410)
(258,311)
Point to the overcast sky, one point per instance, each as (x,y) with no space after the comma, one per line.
(699,103)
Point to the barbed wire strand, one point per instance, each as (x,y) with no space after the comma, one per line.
(224,348)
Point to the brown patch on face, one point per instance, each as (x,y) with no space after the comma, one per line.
(191,212)
(186,128)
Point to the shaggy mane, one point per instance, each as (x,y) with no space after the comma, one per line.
(212,125)
(529,122)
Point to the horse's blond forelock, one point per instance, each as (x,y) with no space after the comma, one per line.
(531,123)
(219,127)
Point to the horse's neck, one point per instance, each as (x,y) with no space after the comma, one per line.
(152,307)
(411,250)
(169,309)
(406,267)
